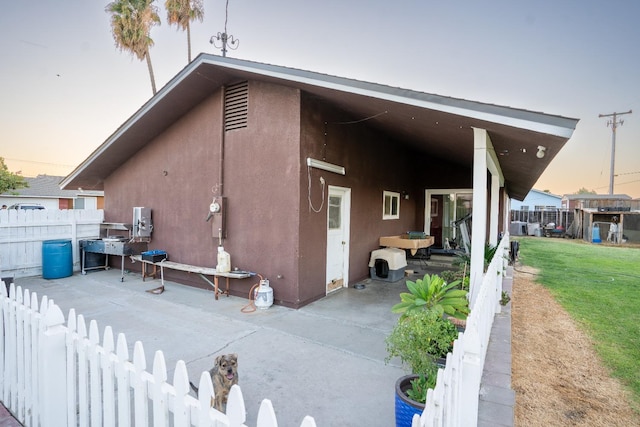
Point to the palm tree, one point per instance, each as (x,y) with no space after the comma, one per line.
(181,13)
(131,22)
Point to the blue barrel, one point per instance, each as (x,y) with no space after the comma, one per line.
(596,234)
(57,259)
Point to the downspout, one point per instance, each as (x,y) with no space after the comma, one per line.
(221,232)
(222,137)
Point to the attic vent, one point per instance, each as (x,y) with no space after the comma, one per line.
(236,106)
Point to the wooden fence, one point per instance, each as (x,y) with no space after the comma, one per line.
(454,400)
(52,374)
(23,231)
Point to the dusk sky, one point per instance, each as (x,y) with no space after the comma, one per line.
(66,87)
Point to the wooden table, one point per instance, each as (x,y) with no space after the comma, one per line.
(402,243)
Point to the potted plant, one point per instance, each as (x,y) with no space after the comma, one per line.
(433,293)
(421,339)
(411,395)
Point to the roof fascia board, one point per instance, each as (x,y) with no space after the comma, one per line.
(346,85)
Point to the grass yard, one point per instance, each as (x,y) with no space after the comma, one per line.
(599,286)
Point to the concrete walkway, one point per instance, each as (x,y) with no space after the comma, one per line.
(326,360)
(497,399)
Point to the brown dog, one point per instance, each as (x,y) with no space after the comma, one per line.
(224,374)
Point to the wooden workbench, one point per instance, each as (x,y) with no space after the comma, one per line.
(200,271)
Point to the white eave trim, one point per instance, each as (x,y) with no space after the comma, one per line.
(534,126)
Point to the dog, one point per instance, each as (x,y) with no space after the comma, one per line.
(224,374)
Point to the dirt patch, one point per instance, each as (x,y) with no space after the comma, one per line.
(558,378)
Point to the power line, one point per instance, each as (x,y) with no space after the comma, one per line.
(614,124)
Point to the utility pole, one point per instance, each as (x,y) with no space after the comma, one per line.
(614,124)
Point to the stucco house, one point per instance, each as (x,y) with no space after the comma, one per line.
(310,170)
(45,190)
(537,200)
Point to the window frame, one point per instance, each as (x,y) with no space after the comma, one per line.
(391,195)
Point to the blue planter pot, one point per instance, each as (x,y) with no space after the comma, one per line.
(405,407)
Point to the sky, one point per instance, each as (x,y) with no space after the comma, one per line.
(66,87)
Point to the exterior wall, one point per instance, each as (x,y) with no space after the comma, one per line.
(374,163)
(177,175)
(48,203)
(270,228)
(537,198)
(54,203)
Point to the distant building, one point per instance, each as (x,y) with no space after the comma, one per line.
(45,190)
(537,200)
(582,201)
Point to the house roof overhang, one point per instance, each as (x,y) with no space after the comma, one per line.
(438,125)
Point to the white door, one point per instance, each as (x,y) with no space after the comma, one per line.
(338,214)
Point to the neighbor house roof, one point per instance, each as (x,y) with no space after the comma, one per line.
(596,197)
(48,186)
(438,125)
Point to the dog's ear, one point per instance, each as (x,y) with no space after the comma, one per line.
(219,360)
(234,357)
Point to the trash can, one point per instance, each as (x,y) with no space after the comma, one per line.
(596,234)
(57,259)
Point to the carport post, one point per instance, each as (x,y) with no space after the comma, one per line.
(481,143)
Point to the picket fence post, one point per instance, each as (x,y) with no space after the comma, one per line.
(123,380)
(71,367)
(54,369)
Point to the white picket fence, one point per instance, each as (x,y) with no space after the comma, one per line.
(454,400)
(52,374)
(23,231)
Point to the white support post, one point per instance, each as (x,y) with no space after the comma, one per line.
(495,209)
(479,225)
(53,369)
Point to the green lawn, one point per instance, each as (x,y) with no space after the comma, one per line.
(599,286)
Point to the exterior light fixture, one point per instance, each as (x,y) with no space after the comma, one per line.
(329,167)
(541,151)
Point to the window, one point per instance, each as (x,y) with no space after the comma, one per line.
(391,205)
(335,210)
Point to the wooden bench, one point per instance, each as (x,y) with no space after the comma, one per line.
(200,271)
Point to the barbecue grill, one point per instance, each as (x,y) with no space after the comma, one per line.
(136,241)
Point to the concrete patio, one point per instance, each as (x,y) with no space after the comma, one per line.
(325,360)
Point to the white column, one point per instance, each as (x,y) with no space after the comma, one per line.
(479,224)
(494,219)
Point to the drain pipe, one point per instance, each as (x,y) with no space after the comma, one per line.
(221,232)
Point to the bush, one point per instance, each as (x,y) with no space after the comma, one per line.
(419,338)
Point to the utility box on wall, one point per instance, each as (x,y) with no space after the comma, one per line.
(142,223)
(218,212)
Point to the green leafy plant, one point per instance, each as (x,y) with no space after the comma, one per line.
(420,385)
(433,293)
(419,338)
(505,298)
(460,275)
